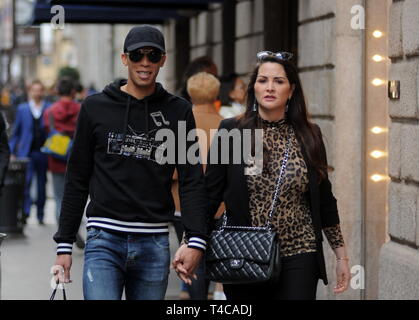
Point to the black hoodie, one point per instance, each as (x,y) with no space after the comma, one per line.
(114,161)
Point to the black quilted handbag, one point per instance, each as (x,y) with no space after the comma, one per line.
(242,255)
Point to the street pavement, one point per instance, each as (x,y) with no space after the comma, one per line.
(26,261)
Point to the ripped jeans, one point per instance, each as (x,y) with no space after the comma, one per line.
(114,262)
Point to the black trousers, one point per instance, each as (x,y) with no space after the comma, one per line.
(298,281)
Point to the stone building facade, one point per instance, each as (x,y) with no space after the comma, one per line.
(331,64)
(399,258)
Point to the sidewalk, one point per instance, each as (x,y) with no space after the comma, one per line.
(26,261)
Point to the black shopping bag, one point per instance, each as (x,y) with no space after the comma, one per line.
(55,291)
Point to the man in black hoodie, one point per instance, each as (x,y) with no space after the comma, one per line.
(115,160)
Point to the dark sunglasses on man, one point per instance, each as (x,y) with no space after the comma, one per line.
(278,55)
(153,55)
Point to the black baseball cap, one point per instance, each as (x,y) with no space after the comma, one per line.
(144,36)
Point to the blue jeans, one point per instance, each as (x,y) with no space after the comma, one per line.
(113,261)
(38,165)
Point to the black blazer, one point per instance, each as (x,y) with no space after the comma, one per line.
(227,182)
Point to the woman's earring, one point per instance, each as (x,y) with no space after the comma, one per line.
(287,106)
(255,106)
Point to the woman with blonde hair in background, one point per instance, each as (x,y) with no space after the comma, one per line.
(203,89)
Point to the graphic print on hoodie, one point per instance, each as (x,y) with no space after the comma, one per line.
(113,162)
(141,145)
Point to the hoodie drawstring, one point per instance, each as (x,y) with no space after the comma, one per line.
(146,118)
(126,118)
(128,106)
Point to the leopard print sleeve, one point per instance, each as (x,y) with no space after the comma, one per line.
(334,236)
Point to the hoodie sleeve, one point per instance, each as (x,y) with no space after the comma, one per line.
(77,180)
(193,200)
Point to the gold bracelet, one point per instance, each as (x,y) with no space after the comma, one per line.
(343,258)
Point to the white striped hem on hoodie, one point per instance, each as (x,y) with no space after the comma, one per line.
(130,227)
(64,248)
(195,242)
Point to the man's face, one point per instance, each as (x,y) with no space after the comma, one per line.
(36,92)
(143,66)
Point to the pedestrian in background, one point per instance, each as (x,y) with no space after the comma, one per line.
(200,64)
(63,115)
(4,150)
(112,160)
(203,89)
(11,97)
(306,205)
(81,92)
(28,136)
(232,96)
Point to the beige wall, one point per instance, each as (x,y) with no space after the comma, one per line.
(399,260)
(94,53)
(92,49)
(249,33)
(332,80)
(376,114)
(169,68)
(206,38)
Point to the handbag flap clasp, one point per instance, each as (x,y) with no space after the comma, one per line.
(236,263)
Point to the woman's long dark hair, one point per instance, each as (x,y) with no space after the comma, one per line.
(297,116)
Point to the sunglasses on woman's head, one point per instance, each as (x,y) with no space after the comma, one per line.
(286,56)
(153,55)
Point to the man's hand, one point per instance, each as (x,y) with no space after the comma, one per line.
(65,261)
(186,261)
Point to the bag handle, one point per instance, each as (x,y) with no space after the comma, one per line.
(279,180)
(277,188)
(55,291)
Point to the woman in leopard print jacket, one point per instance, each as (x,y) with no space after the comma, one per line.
(306,205)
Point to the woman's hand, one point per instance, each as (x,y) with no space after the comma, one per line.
(343,276)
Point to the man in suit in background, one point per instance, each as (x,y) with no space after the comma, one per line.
(28,136)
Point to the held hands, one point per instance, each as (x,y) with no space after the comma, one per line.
(185,263)
(343,275)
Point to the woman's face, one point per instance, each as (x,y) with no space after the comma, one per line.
(238,94)
(272,88)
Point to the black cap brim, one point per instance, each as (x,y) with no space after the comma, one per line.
(144,44)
